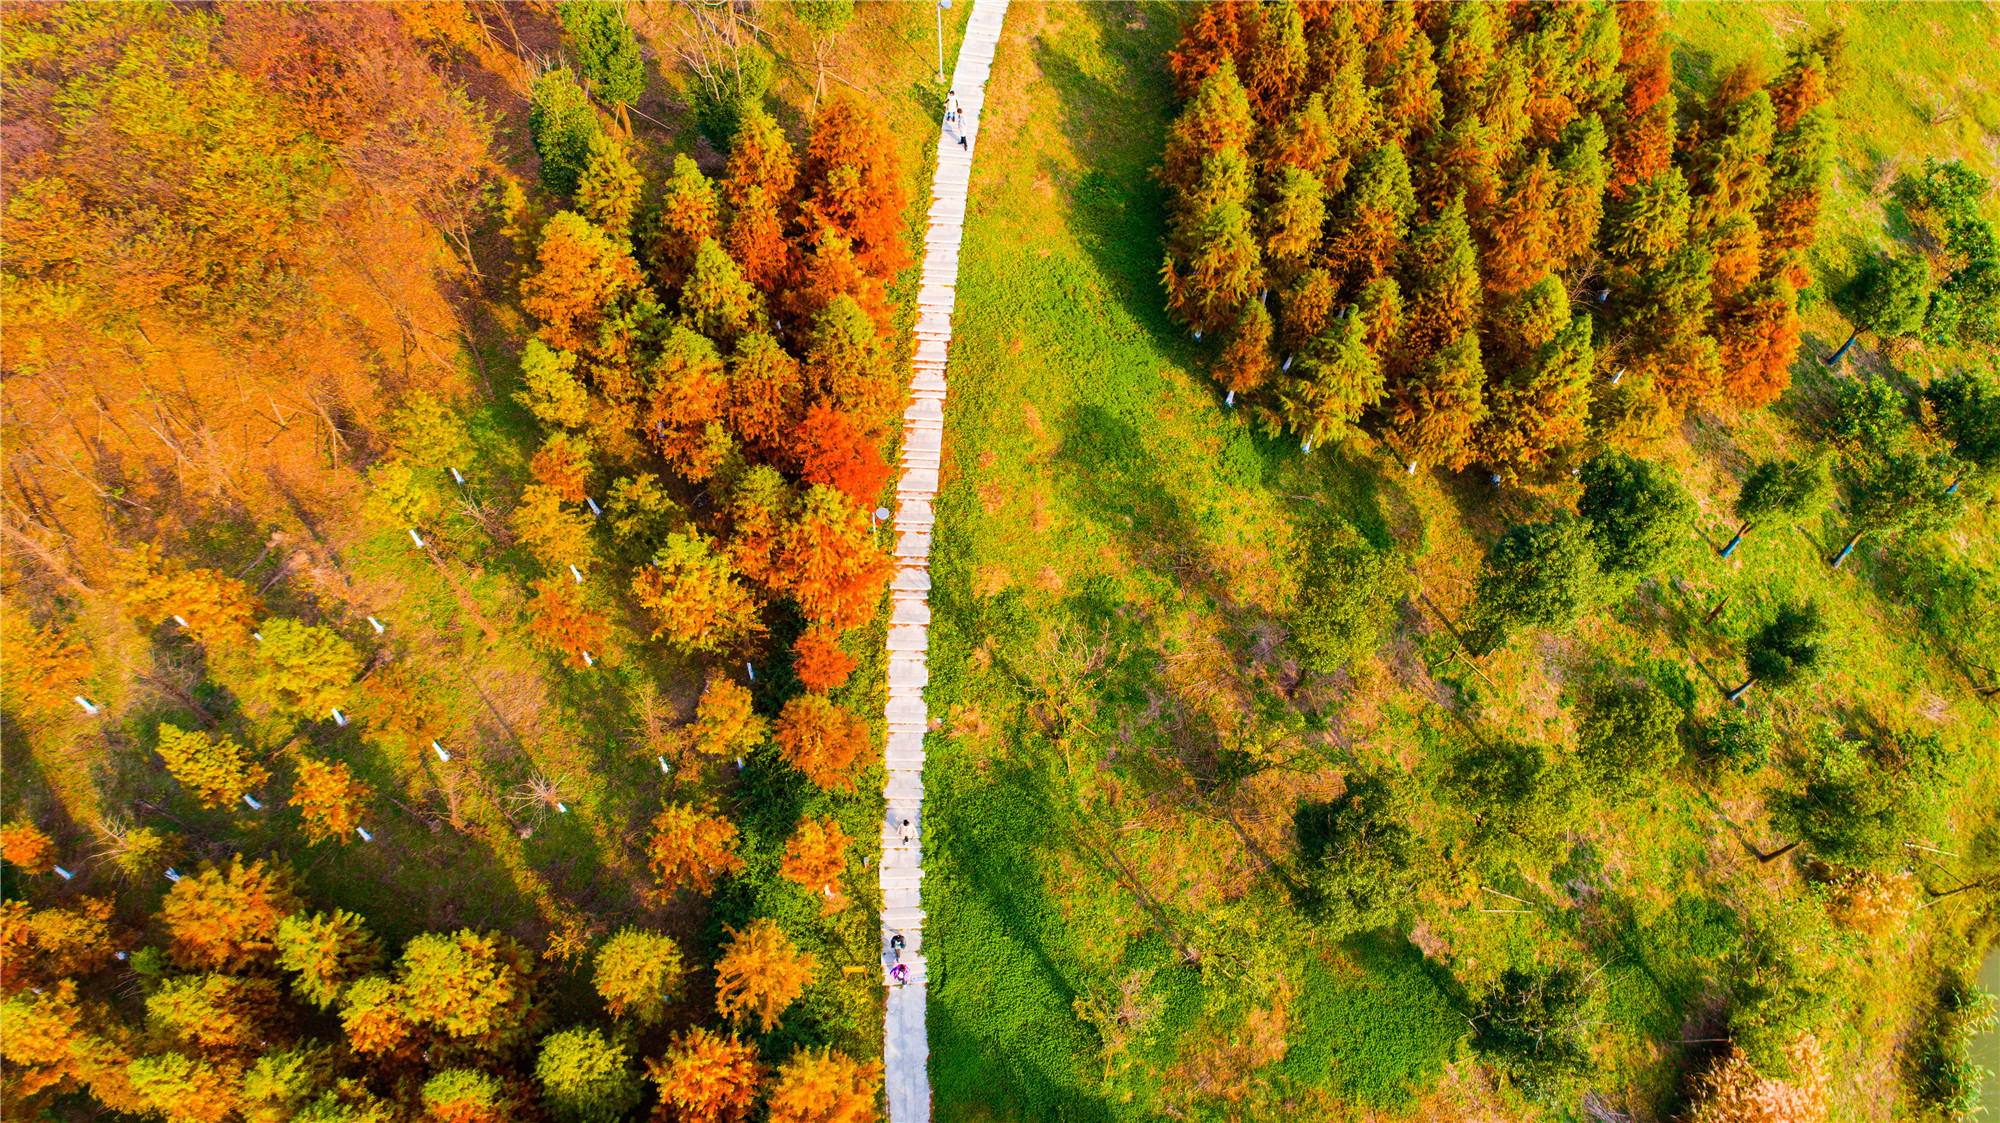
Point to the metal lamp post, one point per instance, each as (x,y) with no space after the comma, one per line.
(941,6)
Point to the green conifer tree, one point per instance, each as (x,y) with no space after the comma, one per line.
(608,51)
(561,123)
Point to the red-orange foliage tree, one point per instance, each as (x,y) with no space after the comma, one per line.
(580,272)
(832,450)
(708,1078)
(819,661)
(837,570)
(562,623)
(823,741)
(853,183)
(815,857)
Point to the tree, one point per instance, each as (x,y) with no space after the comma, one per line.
(560,623)
(1356,857)
(1856,802)
(1729,153)
(724,722)
(1210,39)
(638,973)
(1214,262)
(47,670)
(827,273)
(610,189)
(217,772)
(1348,589)
(585,1078)
(468,986)
(1372,220)
(187,1090)
(608,51)
(26,848)
(823,741)
(399,702)
(45,946)
(708,1077)
(716,301)
(227,920)
(1778,489)
(1439,405)
(580,274)
(819,661)
(1966,408)
(687,387)
(694,597)
(766,395)
(825,19)
(139,853)
(1245,362)
(837,571)
(853,183)
(1578,204)
(1639,514)
(833,450)
(1537,575)
(303,670)
(561,124)
(1533,1028)
(1733,1091)
(845,364)
(153,589)
(214,1013)
(1541,409)
(1218,119)
(330,799)
(758,507)
(549,387)
(688,217)
(1889,298)
(1903,493)
(1642,124)
(374,1017)
(692,847)
(462,1095)
(329,950)
(815,857)
(822,1086)
(761,972)
(1866,418)
(1760,337)
(722,99)
(52,1042)
(1521,234)
(760,160)
(756,240)
(1629,738)
(1790,648)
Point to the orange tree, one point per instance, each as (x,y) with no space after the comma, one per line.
(815,857)
(691,847)
(330,799)
(708,1077)
(227,919)
(822,1086)
(822,741)
(761,972)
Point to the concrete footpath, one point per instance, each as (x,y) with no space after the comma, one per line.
(906,1045)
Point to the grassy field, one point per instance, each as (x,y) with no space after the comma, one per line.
(1112,576)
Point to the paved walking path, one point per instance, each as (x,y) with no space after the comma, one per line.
(906,1046)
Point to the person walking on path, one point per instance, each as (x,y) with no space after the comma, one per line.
(900,974)
(896,946)
(907,836)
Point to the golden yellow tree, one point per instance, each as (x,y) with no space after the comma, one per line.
(692,847)
(45,670)
(638,973)
(815,857)
(218,772)
(724,723)
(42,946)
(330,798)
(1735,1092)
(761,972)
(822,1086)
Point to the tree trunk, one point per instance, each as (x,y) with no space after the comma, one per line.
(1739,691)
(1740,532)
(1841,558)
(1842,353)
(1715,612)
(1778,853)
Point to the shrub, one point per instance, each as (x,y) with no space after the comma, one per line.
(1355,856)
(1533,1028)
(1630,737)
(1347,592)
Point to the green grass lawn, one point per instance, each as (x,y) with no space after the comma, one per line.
(1112,575)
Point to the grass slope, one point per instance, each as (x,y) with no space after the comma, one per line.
(1111,580)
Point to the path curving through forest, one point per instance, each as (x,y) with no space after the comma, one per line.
(905,1042)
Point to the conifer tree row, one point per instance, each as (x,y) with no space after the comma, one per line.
(1509,199)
